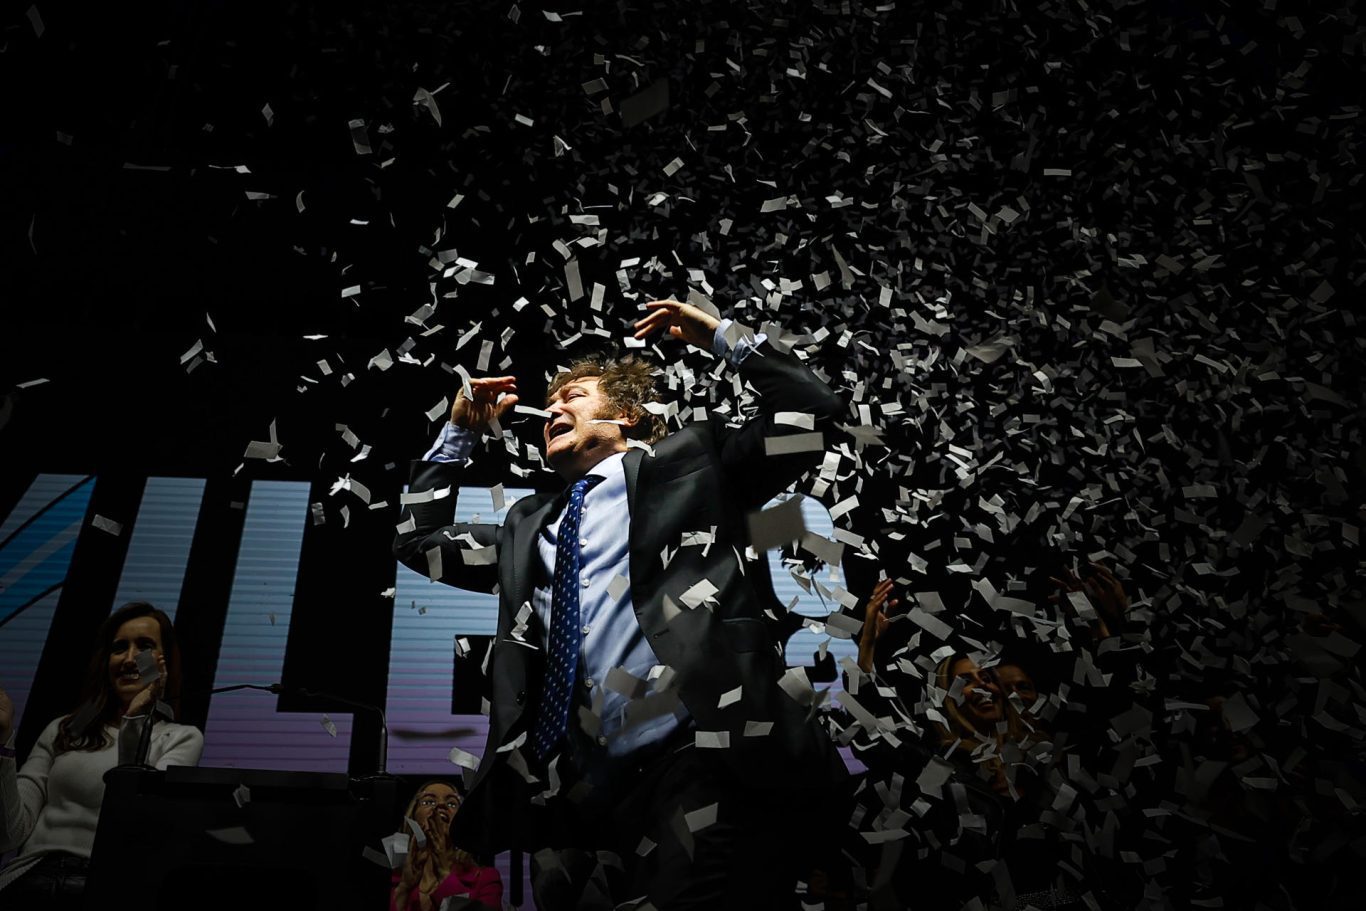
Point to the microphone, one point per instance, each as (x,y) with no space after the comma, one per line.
(383,769)
(145,736)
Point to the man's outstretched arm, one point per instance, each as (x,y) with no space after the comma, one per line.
(428,541)
(787,437)
(793,402)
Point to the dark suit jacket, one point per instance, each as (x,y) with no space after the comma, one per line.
(703,476)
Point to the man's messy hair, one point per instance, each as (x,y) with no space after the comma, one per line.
(628,384)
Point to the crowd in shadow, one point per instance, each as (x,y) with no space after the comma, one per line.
(1017,772)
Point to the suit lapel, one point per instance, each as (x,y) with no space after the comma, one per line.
(630,464)
(524,554)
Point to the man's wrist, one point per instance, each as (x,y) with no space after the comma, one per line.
(453,444)
(719,344)
(735,342)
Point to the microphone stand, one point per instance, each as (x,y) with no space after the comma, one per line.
(383,770)
(145,740)
(381,794)
(280,689)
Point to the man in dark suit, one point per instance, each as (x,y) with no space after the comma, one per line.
(638,730)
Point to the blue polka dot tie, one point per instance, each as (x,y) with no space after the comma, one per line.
(562,658)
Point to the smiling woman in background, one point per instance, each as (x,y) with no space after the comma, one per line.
(435,869)
(50,807)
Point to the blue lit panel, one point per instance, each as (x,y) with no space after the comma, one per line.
(803,645)
(428,618)
(34,559)
(244,730)
(159,549)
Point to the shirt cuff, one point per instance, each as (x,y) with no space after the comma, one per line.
(743,345)
(453,444)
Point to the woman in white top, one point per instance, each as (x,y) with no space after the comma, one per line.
(50,807)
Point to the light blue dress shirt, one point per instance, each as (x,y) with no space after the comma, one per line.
(612,637)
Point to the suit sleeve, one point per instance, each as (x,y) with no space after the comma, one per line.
(430,542)
(784,384)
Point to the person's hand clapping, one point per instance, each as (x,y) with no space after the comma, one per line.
(147,697)
(874,623)
(683,321)
(6,716)
(474,413)
(438,831)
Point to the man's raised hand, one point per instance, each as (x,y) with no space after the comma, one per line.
(474,413)
(683,321)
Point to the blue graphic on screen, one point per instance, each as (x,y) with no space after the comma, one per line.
(37,541)
(159,548)
(428,619)
(244,730)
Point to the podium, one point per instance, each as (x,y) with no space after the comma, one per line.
(178,839)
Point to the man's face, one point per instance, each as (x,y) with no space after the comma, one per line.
(1015,680)
(573,443)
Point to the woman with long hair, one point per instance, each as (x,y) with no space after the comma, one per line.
(979,717)
(435,869)
(49,808)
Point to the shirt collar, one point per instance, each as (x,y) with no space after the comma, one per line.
(610,467)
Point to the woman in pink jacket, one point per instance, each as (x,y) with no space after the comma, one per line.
(435,869)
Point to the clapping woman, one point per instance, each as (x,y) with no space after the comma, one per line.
(435,869)
(49,808)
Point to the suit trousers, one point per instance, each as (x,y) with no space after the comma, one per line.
(683,834)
